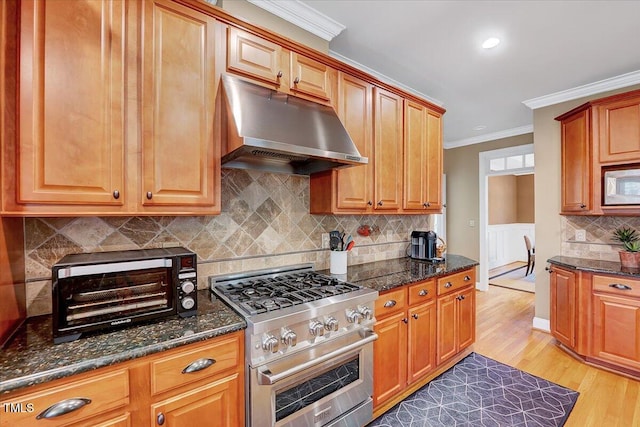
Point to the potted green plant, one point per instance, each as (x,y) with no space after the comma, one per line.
(630,239)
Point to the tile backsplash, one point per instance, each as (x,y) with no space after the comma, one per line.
(265,222)
(598,229)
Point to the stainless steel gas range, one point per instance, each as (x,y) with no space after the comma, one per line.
(309,346)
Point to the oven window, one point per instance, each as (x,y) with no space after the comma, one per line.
(102,297)
(297,397)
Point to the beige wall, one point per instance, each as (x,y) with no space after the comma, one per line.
(503,199)
(257,16)
(525,198)
(462,168)
(546,137)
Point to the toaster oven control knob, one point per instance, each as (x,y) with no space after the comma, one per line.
(366,312)
(289,338)
(331,324)
(187,286)
(316,328)
(188,303)
(270,343)
(354,316)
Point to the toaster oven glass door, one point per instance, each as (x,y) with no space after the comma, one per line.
(109,296)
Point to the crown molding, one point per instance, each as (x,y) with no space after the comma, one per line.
(384,78)
(617,82)
(522,130)
(303,16)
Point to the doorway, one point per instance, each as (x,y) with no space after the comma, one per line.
(502,243)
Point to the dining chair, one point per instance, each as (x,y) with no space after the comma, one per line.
(531,255)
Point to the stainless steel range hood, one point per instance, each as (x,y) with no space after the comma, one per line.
(276,132)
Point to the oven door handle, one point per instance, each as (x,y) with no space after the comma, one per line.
(265,377)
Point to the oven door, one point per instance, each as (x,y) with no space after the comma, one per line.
(326,385)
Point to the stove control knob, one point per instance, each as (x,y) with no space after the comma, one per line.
(270,343)
(366,312)
(187,286)
(331,324)
(289,338)
(316,328)
(354,316)
(188,303)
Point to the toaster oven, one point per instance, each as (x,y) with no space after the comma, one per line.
(109,290)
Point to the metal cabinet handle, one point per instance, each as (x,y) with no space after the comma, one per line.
(467,278)
(620,286)
(279,75)
(296,80)
(582,206)
(405,320)
(448,285)
(423,293)
(426,204)
(63,407)
(369,203)
(379,202)
(462,297)
(149,195)
(414,315)
(198,365)
(116,194)
(390,303)
(160,418)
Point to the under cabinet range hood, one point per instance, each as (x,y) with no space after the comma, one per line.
(276,132)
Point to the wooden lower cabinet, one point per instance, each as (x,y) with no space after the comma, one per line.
(456,322)
(151,390)
(389,358)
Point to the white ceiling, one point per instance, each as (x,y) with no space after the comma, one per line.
(433,48)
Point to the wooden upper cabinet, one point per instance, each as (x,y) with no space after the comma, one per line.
(576,163)
(387,153)
(180,165)
(71,106)
(619,130)
(422,159)
(255,57)
(310,77)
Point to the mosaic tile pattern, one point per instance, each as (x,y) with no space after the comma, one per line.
(598,244)
(479,391)
(264,223)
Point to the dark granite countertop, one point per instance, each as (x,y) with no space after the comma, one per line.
(594,266)
(389,274)
(32,358)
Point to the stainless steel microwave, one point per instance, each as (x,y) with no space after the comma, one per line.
(622,187)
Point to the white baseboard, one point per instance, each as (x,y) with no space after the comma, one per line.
(541,324)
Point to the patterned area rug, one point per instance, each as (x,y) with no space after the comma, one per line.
(479,391)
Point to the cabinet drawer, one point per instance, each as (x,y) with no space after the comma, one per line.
(93,396)
(391,302)
(616,285)
(422,291)
(191,365)
(456,281)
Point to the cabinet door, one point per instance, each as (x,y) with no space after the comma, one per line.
(71,103)
(387,150)
(620,131)
(422,159)
(422,341)
(354,109)
(447,333)
(216,402)
(310,77)
(616,330)
(389,358)
(255,57)
(466,301)
(563,306)
(576,164)
(180,165)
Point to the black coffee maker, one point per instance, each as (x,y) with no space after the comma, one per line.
(423,245)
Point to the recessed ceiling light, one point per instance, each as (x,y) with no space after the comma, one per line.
(491,42)
(480,127)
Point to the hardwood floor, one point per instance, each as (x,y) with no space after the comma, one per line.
(495,272)
(504,333)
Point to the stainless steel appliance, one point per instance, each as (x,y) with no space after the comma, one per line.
(107,290)
(309,346)
(424,246)
(622,186)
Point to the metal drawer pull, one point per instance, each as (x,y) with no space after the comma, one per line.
(448,285)
(405,320)
(198,365)
(390,303)
(620,286)
(423,293)
(467,278)
(414,315)
(63,407)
